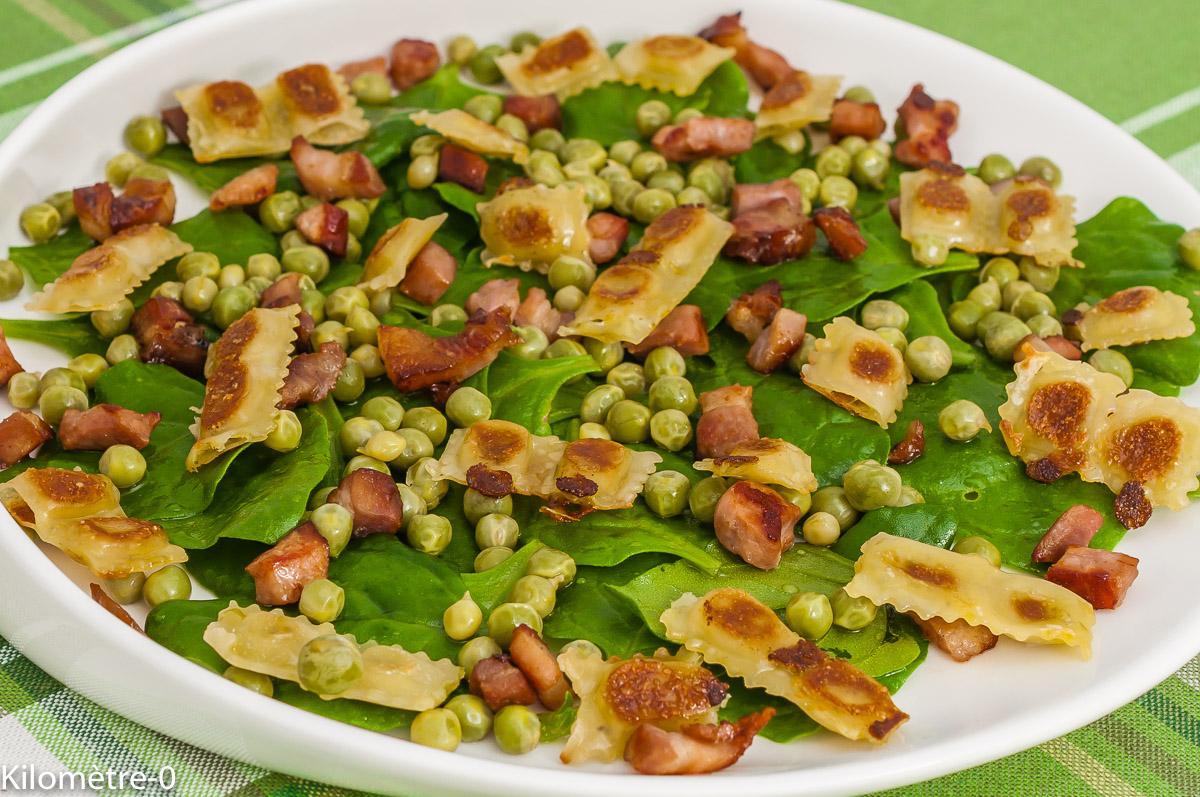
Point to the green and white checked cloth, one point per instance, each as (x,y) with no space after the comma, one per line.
(1134,62)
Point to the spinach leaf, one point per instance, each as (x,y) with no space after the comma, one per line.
(221,568)
(591,609)
(209,177)
(557,724)
(767,161)
(72,335)
(51,455)
(472,273)
(44,263)
(390,137)
(439,93)
(927,523)
(490,588)
(465,199)
(522,391)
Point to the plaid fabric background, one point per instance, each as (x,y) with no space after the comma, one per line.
(1134,62)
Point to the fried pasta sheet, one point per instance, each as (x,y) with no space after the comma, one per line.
(531,227)
(1135,315)
(474,134)
(104,275)
(796,102)
(505,447)
(250,365)
(671,63)
(229,119)
(765,461)
(616,696)
(388,262)
(628,300)
(933,582)
(601,474)
(859,371)
(80,514)
(270,643)
(732,628)
(563,65)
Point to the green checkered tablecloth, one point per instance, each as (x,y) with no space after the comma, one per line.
(1134,62)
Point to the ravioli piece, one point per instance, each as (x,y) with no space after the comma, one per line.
(104,275)
(1150,439)
(1037,222)
(474,134)
(319,106)
(531,227)
(601,474)
(930,581)
(388,262)
(1135,315)
(80,514)
(671,63)
(616,696)
(765,461)
(505,447)
(563,66)
(798,101)
(859,371)
(945,201)
(732,628)
(249,366)
(1053,407)
(628,300)
(270,643)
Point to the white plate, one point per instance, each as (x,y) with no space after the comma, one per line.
(962,715)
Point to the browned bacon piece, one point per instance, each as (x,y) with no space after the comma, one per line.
(93,206)
(285,292)
(537,311)
(538,113)
(143,202)
(513,183)
(330,175)
(20,434)
(8,363)
(778,341)
(683,329)
(415,361)
(176,120)
(766,67)
(248,188)
(496,296)
(756,523)
(771,234)
(852,118)
(704,137)
(463,167)
(752,311)
(746,197)
(413,60)
(846,242)
(960,639)
(326,226)
(378,65)
(1100,577)
(105,425)
(911,446)
(429,274)
(167,334)
(500,683)
(114,608)
(535,659)
(281,572)
(725,420)
(926,124)
(373,499)
(311,376)
(608,234)
(492,483)
(1075,527)
(695,749)
(1131,506)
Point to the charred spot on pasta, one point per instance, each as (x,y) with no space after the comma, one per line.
(1128,301)
(943,195)
(740,615)
(873,363)
(1057,411)
(559,53)
(644,690)
(310,88)
(1147,449)
(234,102)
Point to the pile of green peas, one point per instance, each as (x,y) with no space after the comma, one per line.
(928,357)
(278,214)
(612,411)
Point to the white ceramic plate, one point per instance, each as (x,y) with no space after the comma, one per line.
(962,715)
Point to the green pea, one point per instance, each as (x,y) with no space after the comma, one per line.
(291,240)
(852,613)
(422,171)
(428,420)
(961,420)
(146,135)
(330,332)
(910,496)
(64,203)
(837,191)
(474,716)
(692,196)
(592,431)
(149,171)
(491,557)
(628,422)
(650,116)
(871,487)
(624,192)
(800,358)
(421,479)
(808,181)
(475,651)
(524,39)
(703,498)
(169,290)
(497,531)
(311,261)
(792,142)
(623,152)
(1001,340)
(122,348)
(370,359)
(630,378)
(467,406)
(568,271)
(809,614)
(517,730)
(254,681)
(1044,326)
(447,313)
(963,318)
(606,355)
(859,94)
(322,601)
(672,393)
(414,505)
(893,337)
(1110,361)
(350,382)
(372,88)
(459,50)
(584,150)
(88,367)
(670,429)
(551,564)
(278,212)
(884,313)
(61,376)
(329,665)
(355,432)
(646,164)
(430,534)
(670,181)
(651,203)
(126,589)
(363,461)
(485,70)
(568,299)
(170,583)
(1012,291)
(55,400)
(386,411)
(363,326)
(199,294)
(384,446)
(870,167)
(1044,169)
(505,618)
(311,302)
(1042,278)
(986,295)
(11,280)
(485,107)
(513,126)
(231,304)
(229,276)
(1002,270)
(663,361)
(979,547)
(417,445)
(708,180)
(535,591)
(1189,248)
(996,168)
(929,249)
(40,222)
(928,358)
(798,498)
(833,501)
(438,728)
(476,505)
(564,347)
(117,170)
(335,523)
(992,320)
(666,493)
(1033,303)
(381,302)
(113,322)
(23,390)
(821,528)
(549,140)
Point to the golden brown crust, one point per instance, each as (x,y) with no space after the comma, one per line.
(646,690)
